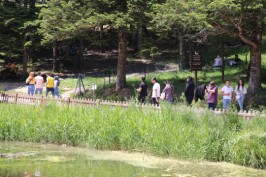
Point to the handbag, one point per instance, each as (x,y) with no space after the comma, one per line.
(162,96)
(237,97)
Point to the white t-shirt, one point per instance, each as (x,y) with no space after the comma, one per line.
(39,82)
(227,90)
(241,90)
(156,86)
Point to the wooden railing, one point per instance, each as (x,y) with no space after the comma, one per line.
(42,100)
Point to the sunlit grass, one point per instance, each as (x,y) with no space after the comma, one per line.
(175,131)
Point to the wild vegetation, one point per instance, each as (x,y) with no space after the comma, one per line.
(180,131)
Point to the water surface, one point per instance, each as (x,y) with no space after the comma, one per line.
(29,160)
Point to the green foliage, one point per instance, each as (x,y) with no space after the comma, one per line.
(175,131)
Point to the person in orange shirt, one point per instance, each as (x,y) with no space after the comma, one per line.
(49,85)
(30,81)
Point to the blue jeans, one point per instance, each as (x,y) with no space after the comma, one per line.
(226,103)
(31,89)
(241,102)
(38,90)
(56,92)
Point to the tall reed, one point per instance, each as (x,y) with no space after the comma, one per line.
(180,131)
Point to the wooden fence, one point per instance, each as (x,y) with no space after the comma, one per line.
(42,100)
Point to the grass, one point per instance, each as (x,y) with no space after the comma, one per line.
(180,131)
(177,78)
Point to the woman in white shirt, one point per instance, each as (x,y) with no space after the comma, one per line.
(240,92)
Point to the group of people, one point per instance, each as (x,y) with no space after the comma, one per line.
(191,93)
(218,61)
(36,83)
(228,93)
(167,93)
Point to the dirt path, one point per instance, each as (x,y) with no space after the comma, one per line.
(134,68)
(17,87)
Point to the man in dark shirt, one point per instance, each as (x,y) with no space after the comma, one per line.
(142,90)
(189,90)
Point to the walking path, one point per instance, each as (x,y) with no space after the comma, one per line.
(37,101)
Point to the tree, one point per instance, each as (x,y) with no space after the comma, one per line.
(17,30)
(63,20)
(179,16)
(244,19)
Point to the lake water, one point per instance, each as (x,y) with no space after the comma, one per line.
(30,160)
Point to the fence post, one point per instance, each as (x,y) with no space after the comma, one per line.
(16,98)
(42,100)
(68,101)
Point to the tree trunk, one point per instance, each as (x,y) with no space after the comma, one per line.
(139,39)
(255,61)
(25,3)
(32,4)
(121,65)
(132,41)
(54,55)
(79,60)
(25,61)
(255,72)
(223,62)
(101,38)
(182,63)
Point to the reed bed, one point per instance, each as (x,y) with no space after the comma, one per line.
(179,131)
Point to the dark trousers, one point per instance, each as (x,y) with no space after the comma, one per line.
(212,106)
(189,100)
(154,101)
(49,90)
(142,99)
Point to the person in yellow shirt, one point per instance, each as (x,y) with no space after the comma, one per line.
(49,85)
(30,81)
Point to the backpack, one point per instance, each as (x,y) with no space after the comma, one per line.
(58,83)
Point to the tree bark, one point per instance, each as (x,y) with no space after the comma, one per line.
(223,62)
(255,61)
(25,2)
(139,39)
(121,65)
(54,55)
(25,61)
(255,72)
(181,52)
(32,4)
(101,38)
(79,60)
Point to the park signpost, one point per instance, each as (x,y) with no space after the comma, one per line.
(196,64)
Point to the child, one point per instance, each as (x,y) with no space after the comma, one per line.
(56,86)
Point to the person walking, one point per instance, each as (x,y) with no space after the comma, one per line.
(240,92)
(227,92)
(169,92)
(39,84)
(189,90)
(142,90)
(56,86)
(49,85)
(155,92)
(212,95)
(30,81)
